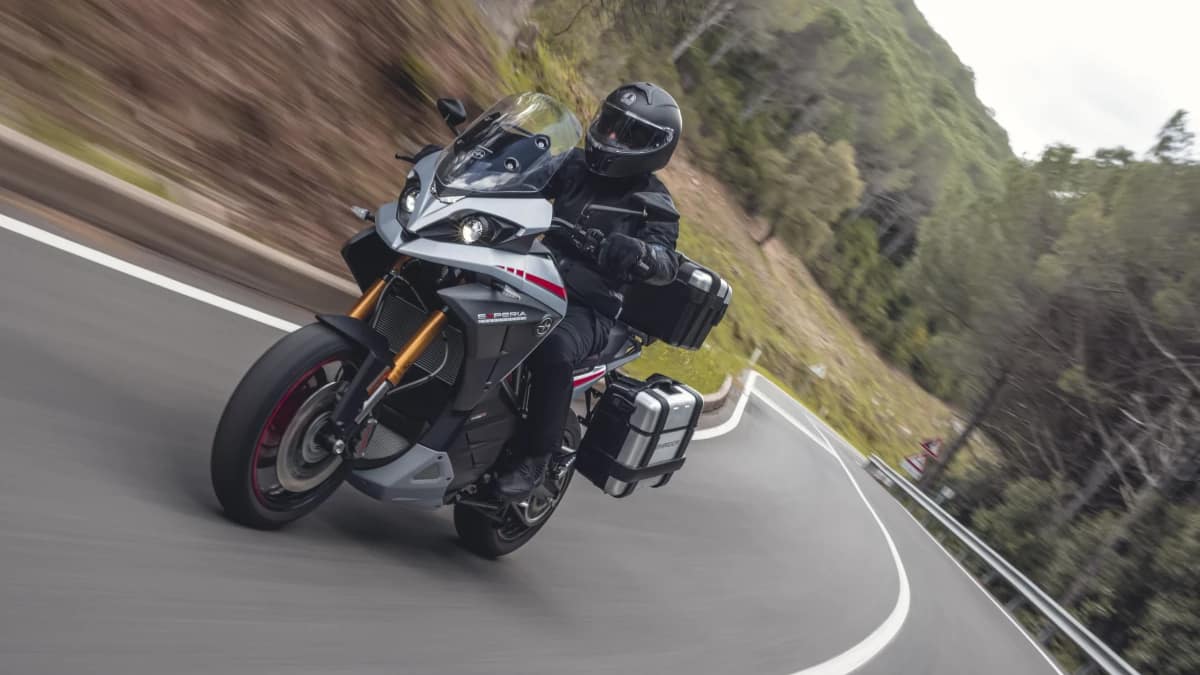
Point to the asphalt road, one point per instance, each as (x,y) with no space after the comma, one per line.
(762,556)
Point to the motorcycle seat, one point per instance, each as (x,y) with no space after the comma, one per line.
(618,342)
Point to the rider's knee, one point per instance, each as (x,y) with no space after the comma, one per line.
(555,350)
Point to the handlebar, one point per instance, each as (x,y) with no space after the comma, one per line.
(586,242)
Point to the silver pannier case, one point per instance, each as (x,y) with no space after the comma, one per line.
(638,431)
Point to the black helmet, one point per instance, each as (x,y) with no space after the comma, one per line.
(635,132)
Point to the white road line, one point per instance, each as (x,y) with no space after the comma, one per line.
(112,263)
(735,419)
(816,420)
(1049,659)
(845,662)
(867,648)
(817,423)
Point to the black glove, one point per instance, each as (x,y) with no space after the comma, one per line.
(622,256)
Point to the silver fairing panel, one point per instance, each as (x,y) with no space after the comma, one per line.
(533,275)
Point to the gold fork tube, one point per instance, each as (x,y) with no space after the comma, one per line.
(424,337)
(362,309)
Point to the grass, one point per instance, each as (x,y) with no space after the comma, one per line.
(42,128)
(540,69)
(704,369)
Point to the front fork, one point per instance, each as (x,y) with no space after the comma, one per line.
(378,376)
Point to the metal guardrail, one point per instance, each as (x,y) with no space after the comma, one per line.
(1099,653)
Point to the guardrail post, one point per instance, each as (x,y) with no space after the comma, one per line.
(1016,603)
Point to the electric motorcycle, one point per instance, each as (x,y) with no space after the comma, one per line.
(414,394)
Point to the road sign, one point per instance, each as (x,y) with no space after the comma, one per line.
(914,465)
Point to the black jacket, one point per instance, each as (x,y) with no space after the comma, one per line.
(589,200)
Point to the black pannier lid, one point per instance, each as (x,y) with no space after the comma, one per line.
(683,312)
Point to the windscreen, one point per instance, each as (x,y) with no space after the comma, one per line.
(516,146)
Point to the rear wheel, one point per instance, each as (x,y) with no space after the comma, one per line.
(492,535)
(271,457)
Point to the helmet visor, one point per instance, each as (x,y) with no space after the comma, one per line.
(623,131)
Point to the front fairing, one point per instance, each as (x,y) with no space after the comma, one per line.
(518,297)
(529,273)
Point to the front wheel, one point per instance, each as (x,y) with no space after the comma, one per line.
(270,459)
(492,535)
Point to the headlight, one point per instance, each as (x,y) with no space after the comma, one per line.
(408,199)
(473,229)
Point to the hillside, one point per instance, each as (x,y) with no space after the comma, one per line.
(278,119)
(871,73)
(847,127)
(842,129)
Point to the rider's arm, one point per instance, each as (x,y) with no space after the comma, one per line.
(661,232)
(648,255)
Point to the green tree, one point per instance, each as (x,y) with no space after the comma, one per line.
(1167,639)
(1175,140)
(805,188)
(1013,526)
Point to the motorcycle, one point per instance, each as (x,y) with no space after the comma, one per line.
(414,394)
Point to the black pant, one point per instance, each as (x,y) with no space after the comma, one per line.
(580,334)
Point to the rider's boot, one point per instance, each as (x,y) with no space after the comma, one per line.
(522,476)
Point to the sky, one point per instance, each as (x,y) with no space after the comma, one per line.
(1090,73)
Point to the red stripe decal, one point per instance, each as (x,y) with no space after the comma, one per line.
(548,285)
(589,377)
(537,281)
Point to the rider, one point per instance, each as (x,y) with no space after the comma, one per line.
(605,187)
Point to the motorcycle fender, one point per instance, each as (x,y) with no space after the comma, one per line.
(368,257)
(360,333)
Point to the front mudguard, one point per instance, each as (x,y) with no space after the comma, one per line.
(379,356)
(359,333)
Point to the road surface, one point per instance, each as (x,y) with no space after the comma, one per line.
(768,553)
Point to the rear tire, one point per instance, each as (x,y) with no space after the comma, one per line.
(272,395)
(490,539)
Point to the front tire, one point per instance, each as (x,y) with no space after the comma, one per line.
(491,539)
(267,468)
